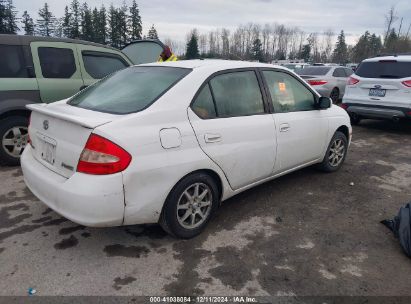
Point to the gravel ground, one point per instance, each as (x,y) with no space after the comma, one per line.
(304,234)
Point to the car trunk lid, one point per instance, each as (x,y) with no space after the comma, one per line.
(59,132)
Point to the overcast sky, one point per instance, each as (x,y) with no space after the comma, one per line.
(174,18)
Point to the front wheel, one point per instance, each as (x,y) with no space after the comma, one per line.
(336,153)
(190,206)
(13,139)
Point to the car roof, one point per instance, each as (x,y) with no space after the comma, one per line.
(26,40)
(401,58)
(215,64)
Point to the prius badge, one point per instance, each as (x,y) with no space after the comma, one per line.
(45,124)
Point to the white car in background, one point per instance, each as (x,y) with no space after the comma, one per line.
(168,142)
(380,89)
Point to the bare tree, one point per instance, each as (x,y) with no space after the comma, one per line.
(390,19)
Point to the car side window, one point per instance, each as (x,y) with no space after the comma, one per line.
(12,63)
(98,64)
(203,105)
(237,94)
(339,73)
(287,93)
(57,62)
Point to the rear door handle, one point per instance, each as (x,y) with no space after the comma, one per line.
(212,138)
(284,127)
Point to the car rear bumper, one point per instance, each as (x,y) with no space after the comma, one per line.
(89,200)
(377,111)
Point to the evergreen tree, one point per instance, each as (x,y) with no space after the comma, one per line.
(340,54)
(257,50)
(305,52)
(99,24)
(392,41)
(113,27)
(192,51)
(122,20)
(66,29)
(75,16)
(28,24)
(8,20)
(367,46)
(87,31)
(136,27)
(46,24)
(152,33)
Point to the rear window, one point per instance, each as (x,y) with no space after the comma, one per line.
(384,69)
(99,65)
(12,62)
(129,90)
(313,71)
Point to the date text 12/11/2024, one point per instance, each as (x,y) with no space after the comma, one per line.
(203,299)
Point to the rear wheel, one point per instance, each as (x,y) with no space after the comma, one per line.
(355,119)
(190,206)
(335,95)
(336,153)
(14,138)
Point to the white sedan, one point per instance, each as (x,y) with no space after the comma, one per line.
(166,143)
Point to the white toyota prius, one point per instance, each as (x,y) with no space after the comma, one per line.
(166,143)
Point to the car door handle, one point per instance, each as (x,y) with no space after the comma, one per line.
(212,138)
(284,128)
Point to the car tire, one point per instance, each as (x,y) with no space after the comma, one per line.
(13,139)
(335,95)
(355,119)
(188,209)
(336,153)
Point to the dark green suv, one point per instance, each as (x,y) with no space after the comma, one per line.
(42,69)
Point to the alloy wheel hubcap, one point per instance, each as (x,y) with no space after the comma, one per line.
(194,205)
(15,140)
(337,152)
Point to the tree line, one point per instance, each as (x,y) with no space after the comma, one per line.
(117,26)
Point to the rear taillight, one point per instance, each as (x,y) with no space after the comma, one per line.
(407,83)
(100,156)
(352,81)
(344,106)
(317,82)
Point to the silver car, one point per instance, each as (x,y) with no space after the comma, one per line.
(329,81)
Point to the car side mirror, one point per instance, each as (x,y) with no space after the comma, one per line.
(324,103)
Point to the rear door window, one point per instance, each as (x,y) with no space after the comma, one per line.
(237,94)
(390,69)
(98,64)
(57,62)
(12,63)
(129,90)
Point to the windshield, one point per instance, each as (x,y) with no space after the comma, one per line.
(384,69)
(129,90)
(313,71)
